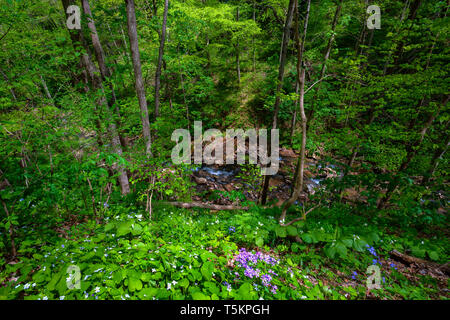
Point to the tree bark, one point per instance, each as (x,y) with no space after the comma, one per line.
(238,66)
(294,116)
(160,59)
(253,39)
(96,82)
(139,83)
(283,52)
(105,72)
(298,179)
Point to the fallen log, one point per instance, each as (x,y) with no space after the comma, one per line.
(202,205)
(407,259)
(402,257)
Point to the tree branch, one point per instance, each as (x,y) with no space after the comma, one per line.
(298,219)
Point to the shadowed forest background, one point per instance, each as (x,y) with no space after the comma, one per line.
(92,206)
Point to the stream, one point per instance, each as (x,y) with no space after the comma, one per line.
(209,178)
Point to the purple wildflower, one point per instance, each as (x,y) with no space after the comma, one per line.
(266,278)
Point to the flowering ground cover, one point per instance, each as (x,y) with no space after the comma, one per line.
(184,254)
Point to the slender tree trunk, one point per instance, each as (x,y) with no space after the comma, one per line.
(253,39)
(96,81)
(294,116)
(325,58)
(298,179)
(160,59)
(283,53)
(139,84)
(238,67)
(184,99)
(105,72)
(44,85)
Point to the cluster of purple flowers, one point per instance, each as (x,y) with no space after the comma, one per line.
(354,274)
(244,258)
(375,261)
(249,260)
(231,229)
(371,250)
(393,266)
(266,278)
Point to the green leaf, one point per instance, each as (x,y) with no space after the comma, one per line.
(245,291)
(117,277)
(147,293)
(199,296)
(280,231)
(212,287)
(330,252)
(109,226)
(124,228)
(433,255)
(207,270)
(292,231)
(307,238)
(347,242)
(259,242)
(341,249)
(134,284)
(359,245)
(146,276)
(184,283)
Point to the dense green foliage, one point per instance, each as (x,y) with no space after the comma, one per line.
(379,115)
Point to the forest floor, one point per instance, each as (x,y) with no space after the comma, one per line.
(243,254)
(191,254)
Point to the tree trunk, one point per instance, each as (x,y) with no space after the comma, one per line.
(185,103)
(160,59)
(96,82)
(298,179)
(283,52)
(238,67)
(105,72)
(294,116)
(139,83)
(47,92)
(253,38)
